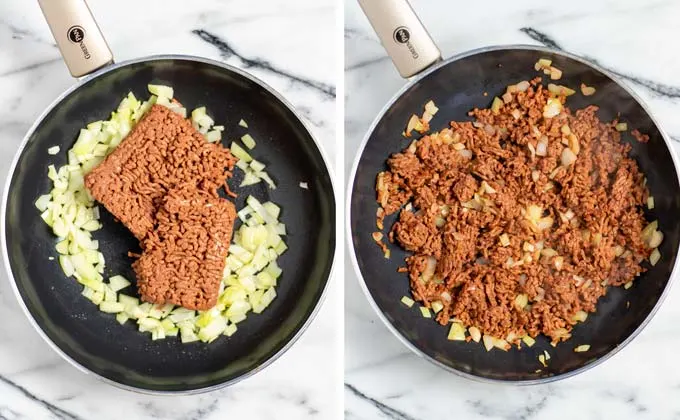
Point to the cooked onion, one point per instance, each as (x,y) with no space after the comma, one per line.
(587,90)
(552,108)
(568,157)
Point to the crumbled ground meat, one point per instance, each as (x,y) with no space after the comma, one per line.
(184,256)
(162,151)
(508,237)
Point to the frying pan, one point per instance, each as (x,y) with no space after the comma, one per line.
(93,341)
(457,85)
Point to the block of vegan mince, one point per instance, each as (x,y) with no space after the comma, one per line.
(163,150)
(184,257)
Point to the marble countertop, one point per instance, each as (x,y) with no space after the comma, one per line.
(383,379)
(35,383)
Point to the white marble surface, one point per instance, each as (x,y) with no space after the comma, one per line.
(34,382)
(382,378)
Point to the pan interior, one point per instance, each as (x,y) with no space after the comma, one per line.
(118,352)
(456,88)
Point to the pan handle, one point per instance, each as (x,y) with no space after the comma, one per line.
(402,35)
(78,37)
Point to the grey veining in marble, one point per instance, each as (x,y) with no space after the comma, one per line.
(284,43)
(632,39)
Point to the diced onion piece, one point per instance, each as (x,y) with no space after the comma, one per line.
(53,150)
(488,342)
(111,307)
(582,348)
(628,285)
(622,126)
(249,179)
(243,124)
(431,108)
(558,262)
(437,306)
(655,239)
(553,108)
(555,73)
(650,202)
(161,91)
(521,301)
(541,359)
(587,90)
(425,312)
(542,63)
(257,166)
(654,257)
(304,185)
(248,140)
(413,124)
(457,332)
(239,152)
(496,105)
(213,136)
(407,301)
(647,232)
(230,329)
(118,282)
(568,157)
(475,334)
(266,178)
(528,340)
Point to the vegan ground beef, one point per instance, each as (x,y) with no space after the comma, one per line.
(162,151)
(184,257)
(520,220)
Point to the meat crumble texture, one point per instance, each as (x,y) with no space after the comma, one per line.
(520,220)
(185,255)
(162,151)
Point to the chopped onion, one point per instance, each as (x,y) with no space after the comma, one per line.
(407,301)
(582,348)
(650,202)
(542,148)
(568,157)
(553,108)
(248,140)
(161,91)
(621,126)
(522,86)
(580,316)
(654,257)
(243,124)
(475,334)
(555,73)
(425,312)
(488,342)
(587,90)
(496,105)
(457,332)
(304,185)
(542,64)
(431,108)
(53,150)
(528,340)
(655,239)
(239,152)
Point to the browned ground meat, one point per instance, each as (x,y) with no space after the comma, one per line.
(185,256)
(508,237)
(162,151)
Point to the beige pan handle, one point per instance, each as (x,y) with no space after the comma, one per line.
(78,37)
(402,34)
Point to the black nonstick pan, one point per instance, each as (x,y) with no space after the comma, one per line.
(457,85)
(94,341)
